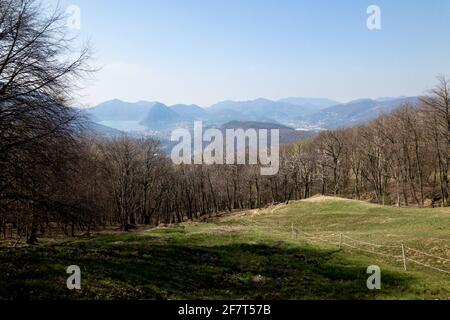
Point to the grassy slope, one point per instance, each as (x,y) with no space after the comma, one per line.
(250,256)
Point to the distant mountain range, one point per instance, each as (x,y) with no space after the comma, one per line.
(297,113)
(355,112)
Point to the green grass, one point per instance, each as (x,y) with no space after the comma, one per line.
(251,256)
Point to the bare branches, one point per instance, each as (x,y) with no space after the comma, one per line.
(38,146)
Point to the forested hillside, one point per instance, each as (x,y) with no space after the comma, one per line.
(55,178)
(398,159)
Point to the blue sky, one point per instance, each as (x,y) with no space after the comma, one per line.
(205,51)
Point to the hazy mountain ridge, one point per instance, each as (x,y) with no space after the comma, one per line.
(192,112)
(118,110)
(258,110)
(316,114)
(356,112)
(321,103)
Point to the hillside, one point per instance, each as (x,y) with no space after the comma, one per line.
(245,255)
(160,116)
(287,134)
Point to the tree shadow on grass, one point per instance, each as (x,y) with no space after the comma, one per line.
(156,270)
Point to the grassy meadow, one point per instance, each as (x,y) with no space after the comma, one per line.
(246,255)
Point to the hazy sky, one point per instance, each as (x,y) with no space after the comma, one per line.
(205,51)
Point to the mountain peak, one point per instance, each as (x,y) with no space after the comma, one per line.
(109,102)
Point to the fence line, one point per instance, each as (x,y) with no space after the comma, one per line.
(370,244)
(374,252)
(429,255)
(316,239)
(428,266)
(401,248)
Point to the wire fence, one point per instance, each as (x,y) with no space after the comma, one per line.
(399,253)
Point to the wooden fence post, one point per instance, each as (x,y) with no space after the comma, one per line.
(340,241)
(404,257)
